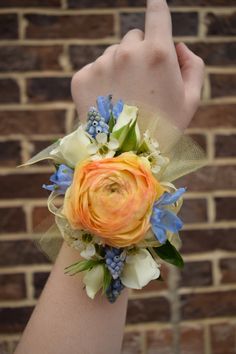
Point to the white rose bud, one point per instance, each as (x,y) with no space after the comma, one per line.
(73,147)
(139,270)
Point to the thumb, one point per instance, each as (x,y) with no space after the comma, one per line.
(192,71)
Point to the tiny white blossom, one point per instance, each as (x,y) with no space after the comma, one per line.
(102,148)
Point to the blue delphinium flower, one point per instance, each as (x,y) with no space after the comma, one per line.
(114,259)
(105,107)
(61,180)
(96,123)
(163,220)
(114,290)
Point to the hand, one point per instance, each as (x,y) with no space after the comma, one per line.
(145,68)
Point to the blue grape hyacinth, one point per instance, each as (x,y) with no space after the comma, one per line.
(96,123)
(114,259)
(61,180)
(114,290)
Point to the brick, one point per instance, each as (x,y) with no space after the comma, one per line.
(12,286)
(9,91)
(21,252)
(32,122)
(225,208)
(132,343)
(148,310)
(223,338)
(82,26)
(39,215)
(195,241)
(30,3)
(223,85)
(196,274)
(221,25)
(8,26)
(225,145)
(207,179)
(160,340)
(105,3)
(10,153)
(191,339)
(23,186)
(215,116)
(39,282)
(7,215)
(193,210)
(218,54)
(184,24)
(228,270)
(84,54)
(49,89)
(13,320)
(30,58)
(216,304)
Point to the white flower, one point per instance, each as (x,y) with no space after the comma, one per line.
(93,280)
(86,245)
(72,149)
(139,270)
(151,144)
(125,120)
(157,161)
(102,148)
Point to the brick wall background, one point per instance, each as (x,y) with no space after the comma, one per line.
(42,42)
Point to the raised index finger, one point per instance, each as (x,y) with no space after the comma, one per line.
(158,20)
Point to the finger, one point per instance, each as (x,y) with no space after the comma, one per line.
(192,71)
(111,49)
(135,35)
(158,21)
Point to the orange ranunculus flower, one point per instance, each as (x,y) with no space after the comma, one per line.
(113,199)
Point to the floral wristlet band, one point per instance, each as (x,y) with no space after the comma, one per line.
(120,206)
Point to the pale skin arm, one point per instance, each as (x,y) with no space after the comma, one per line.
(145,67)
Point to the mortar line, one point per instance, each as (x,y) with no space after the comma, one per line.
(109,40)
(207,343)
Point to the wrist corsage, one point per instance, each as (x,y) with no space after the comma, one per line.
(119,205)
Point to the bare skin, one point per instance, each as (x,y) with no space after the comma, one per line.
(145,68)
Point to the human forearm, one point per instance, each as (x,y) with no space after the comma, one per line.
(65,320)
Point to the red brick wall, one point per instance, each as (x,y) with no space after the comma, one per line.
(42,42)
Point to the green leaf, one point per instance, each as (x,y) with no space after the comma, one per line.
(106,279)
(111,123)
(121,133)
(81,266)
(143,147)
(168,253)
(130,142)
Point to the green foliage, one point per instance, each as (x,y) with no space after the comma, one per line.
(169,253)
(106,279)
(111,123)
(81,266)
(130,142)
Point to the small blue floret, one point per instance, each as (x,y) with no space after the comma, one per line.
(61,180)
(163,220)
